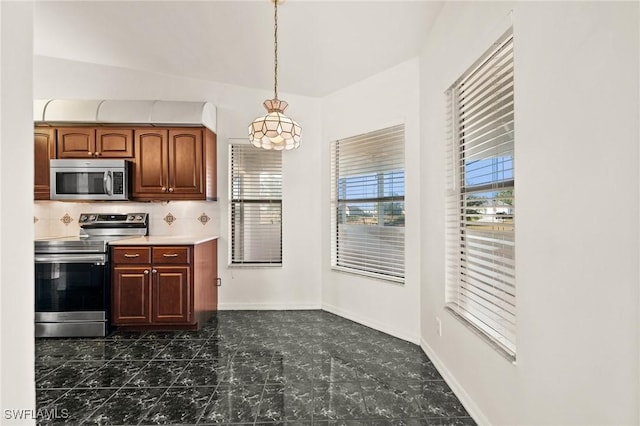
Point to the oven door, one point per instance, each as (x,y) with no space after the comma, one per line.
(71,294)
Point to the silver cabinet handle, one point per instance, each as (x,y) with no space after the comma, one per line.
(170,255)
(132,255)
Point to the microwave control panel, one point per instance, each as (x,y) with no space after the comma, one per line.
(118,182)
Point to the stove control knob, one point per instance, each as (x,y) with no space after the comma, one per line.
(83,218)
(130,217)
(139,218)
(92,217)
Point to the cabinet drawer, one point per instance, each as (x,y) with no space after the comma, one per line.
(136,255)
(169,254)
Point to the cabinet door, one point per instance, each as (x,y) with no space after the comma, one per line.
(44,150)
(151,163)
(171,294)
(76,142)
(114,142)
(131,295)
(185,164)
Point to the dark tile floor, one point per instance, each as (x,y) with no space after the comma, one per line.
(244,367)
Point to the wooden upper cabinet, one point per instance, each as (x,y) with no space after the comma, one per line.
(151,169)
(113,142)
(76,142)
(44,150)
(91,142)
(185,162)
(174,164)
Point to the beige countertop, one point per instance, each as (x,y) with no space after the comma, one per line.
(164,240)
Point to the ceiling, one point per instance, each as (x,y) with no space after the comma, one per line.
(323,45)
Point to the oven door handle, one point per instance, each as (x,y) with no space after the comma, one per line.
(97,259)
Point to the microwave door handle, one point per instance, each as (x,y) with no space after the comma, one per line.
(108,188)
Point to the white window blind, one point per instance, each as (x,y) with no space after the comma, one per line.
(256,205)
(367,194)
(480,223)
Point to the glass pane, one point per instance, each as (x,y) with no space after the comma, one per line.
(69,287)
(489,210)
(488,170)
(393,213)
(80,183)
(256,230)
(372,185)
(394,183)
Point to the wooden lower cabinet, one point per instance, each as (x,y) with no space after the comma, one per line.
(171,294)
(131,295)
(164,287)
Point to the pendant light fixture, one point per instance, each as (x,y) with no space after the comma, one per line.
(275,130)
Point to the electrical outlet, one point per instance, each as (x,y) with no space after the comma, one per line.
(438,326)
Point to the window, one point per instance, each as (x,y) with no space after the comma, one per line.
(256,205)
(481,204)
(367,210)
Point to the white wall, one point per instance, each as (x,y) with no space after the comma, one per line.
(297,283)
(577,222)
(383,100)
(16,231)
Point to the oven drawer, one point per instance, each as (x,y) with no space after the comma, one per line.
(132,255)
(176,255)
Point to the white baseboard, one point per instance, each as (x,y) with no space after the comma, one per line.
(264,307)
(376,325)
(466,400)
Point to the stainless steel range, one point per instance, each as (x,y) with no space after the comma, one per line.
(72,275)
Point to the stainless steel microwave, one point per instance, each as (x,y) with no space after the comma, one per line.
(89,180)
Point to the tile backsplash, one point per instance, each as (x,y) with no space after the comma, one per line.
(57,218)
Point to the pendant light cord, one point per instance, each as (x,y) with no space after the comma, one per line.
(275,44)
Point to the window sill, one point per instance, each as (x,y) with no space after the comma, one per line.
(380,277)
(508,355)
(254,265)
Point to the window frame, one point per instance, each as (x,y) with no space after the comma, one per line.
(462,296)
(244,201)
(340,199)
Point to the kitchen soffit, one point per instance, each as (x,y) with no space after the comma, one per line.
(325,45)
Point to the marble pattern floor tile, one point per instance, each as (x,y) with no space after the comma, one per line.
(244,367)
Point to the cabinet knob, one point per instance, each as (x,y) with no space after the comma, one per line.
(90,153)
(97,154)
(146,272)
(154,270)
(170,189)
(164,189)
